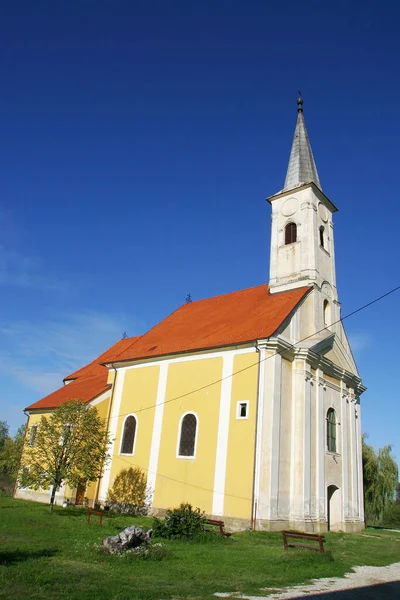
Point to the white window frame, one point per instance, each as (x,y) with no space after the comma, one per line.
(120,453)
(238,405)
(189,412)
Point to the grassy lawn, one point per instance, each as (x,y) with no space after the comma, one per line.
(45,555)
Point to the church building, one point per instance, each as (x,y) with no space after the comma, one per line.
(247,404)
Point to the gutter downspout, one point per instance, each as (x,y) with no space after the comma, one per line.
(262,350)
(23,446)
(96,496)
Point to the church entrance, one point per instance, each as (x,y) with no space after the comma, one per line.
(334,512)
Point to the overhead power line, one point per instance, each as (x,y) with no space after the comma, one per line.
(207,385)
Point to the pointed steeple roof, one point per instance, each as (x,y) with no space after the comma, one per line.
(302,168)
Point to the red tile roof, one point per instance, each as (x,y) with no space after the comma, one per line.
(88,382)
(230,319)
(233,318)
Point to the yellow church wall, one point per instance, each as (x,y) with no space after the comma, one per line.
(138,398)
(111,377)
(189,479)
(240,457)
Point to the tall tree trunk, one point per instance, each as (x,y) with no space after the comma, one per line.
(53,495)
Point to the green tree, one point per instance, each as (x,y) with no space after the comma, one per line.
(70,446)
(10,454)
(3,433)
(381,476)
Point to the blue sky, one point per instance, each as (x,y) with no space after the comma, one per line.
(138,141)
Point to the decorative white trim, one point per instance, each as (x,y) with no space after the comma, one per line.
(101,398)
(307,447)
(354,455)
(157,428)
(345,460)
(119,386)
(180,359)
(134,439)
(262,348)
(274,436)
(360,467)
(189,412)
(239,404)
(320,445)
(222,437)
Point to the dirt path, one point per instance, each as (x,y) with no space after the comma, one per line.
(365,583)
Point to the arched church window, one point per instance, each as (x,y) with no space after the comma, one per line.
(129,434)
(322,236)
(327,313)
(331,430)
(290,233)
(187,439)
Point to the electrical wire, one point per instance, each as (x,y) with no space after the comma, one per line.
(158,474)
(186,394)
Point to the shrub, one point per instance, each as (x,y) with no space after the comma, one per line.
(391,516)
(128,494)
(182,522)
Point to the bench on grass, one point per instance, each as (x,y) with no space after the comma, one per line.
(95,512)
(309,537)
(219,524)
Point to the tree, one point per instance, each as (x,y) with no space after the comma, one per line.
(10,454)
(3,433)
(70,446)
(381,476)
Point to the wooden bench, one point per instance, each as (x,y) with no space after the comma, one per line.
(310,537)
(219,524)
(95,512)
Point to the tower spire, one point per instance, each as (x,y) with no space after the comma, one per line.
(302,168)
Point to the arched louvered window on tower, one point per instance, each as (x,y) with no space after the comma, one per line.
(290,233)
(187,435)
(129,435)
(322,237)
(331,430)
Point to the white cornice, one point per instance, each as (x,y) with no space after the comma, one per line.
(319,193)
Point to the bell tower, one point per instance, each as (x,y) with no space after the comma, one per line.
(302,246)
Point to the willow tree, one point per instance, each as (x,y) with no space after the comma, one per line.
(381,475)
(69,446)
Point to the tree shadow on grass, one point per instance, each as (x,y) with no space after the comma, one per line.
(10,557)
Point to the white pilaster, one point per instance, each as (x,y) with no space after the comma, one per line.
(261,346)
(115,410)
(360,465)
(307,446)
(297,474)
(157,428)
(320,445)
(354,458)
(344,450)
(274,436)
(223,433)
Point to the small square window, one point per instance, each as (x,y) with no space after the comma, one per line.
(242,411)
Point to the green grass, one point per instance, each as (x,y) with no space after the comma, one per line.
(45,555)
